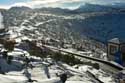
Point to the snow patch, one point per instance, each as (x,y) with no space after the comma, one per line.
(1,21)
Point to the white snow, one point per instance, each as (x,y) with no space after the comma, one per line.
(42,68)
(77,82)
(101,75)
(16,52)
(41,23)
(1,21)
(116,64)
(84,68)
(64,16)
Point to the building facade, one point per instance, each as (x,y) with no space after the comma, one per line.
(116,51)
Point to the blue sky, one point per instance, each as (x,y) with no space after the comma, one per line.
(9,2)
(54,3)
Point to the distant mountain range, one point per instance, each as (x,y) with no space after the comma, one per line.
(100,8)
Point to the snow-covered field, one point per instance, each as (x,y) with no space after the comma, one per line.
(46,70)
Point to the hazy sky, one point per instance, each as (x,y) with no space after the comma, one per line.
(54,3)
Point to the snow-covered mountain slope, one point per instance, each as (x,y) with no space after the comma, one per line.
(64,24)
(104,27)
(58,24)
(37,24)
(46,70)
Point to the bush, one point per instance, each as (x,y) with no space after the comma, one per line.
(96,66)
(38,53)
(69,59)
(9,45)
(57,56)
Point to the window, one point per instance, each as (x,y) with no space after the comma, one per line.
(123,52)
(123,56)
(123,49)
(113,49)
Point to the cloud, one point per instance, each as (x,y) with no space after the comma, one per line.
(4,6)
(71,4)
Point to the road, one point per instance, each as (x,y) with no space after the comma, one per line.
(107,65)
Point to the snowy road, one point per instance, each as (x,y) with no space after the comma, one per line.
(107,65)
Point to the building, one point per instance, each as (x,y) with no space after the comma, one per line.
(116,50)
